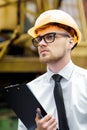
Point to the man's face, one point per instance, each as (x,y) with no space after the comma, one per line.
(55,51)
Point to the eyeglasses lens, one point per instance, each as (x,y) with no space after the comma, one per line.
(48,38)
(36,41)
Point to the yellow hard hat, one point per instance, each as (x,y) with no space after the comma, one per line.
(56,16)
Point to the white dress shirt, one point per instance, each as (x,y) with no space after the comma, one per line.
(74,87)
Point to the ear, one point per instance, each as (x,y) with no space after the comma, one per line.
(71,43)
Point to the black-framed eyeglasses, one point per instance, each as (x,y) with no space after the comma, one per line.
(48,38)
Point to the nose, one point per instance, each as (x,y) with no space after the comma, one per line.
(42,43)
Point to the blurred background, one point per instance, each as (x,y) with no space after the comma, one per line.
(18,58)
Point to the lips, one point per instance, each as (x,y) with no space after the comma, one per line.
(43,51)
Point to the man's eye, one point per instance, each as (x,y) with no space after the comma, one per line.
(49,37)
(38,39)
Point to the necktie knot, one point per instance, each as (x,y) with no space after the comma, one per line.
(57,77)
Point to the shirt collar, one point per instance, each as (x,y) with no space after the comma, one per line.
(66,72)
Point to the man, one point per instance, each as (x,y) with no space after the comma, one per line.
(55,34)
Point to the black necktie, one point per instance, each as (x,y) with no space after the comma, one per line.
(63,125)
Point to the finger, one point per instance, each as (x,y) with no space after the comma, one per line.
(52,123)
(53,126)
(47,118)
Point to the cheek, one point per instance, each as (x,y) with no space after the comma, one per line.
(59,49)
(60,46)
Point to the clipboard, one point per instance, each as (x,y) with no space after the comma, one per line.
(24,103)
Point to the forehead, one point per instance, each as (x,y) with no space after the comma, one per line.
(51,28)
(58,26)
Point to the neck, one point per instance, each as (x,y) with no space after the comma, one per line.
(55,67)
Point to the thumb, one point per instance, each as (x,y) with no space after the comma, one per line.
(38,113)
